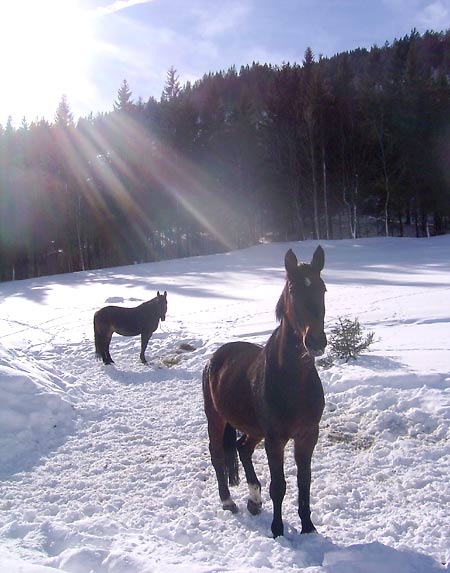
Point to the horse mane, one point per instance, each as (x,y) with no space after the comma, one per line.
(279,309)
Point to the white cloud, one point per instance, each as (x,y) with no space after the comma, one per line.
(118,5)
(224,18)
(434,16)
(422,14)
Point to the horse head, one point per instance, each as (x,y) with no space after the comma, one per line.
(162,305)
(304,300)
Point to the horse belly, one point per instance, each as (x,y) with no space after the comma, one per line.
(126,331)
(240,412)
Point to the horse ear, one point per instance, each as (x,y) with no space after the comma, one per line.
(318,260)
(290,261)
(157,294)
(165,294)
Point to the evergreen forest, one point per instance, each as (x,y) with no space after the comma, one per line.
(349,146)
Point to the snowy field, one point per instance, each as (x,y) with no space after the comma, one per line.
(105,469)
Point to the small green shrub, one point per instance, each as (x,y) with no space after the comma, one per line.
(347,339)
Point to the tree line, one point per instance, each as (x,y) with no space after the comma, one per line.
(353,145)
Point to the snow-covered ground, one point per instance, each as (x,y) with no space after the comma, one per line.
(105,469)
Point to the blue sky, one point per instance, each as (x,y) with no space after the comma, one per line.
(85,48)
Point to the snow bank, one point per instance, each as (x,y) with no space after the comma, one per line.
(35,412)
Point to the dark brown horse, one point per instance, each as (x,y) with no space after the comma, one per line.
(142,319)
(272,393)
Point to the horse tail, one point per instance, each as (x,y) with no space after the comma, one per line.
(205,379)
(231,457)
(97,340)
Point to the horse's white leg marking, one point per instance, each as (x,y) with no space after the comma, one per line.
(255,493)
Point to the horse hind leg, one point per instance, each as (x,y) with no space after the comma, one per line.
(224,463)
(223,459)
(105,342)
(246,446)
(108,337)
(102,339)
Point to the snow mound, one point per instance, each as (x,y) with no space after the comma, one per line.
(35,412)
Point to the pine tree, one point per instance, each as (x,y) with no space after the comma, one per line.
(9,129)
(124,101)
(310,114)
(308,59)
(347,339)
(172,87)
(64,115)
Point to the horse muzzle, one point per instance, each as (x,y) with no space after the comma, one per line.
(315,345)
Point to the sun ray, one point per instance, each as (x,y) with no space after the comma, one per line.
(179,178)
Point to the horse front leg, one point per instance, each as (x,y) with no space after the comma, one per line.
(246,446)
(303,450)
(275,457)
(145,337)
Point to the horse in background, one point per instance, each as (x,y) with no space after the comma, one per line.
(272,393)
(142,319)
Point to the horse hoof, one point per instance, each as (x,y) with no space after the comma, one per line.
(308,529)
(277,530)
(230,506)
(254,508)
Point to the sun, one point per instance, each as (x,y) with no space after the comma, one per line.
(47,48)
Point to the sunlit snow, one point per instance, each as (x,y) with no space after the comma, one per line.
(106,469)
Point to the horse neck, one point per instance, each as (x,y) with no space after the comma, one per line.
(150,307)
(287,343)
